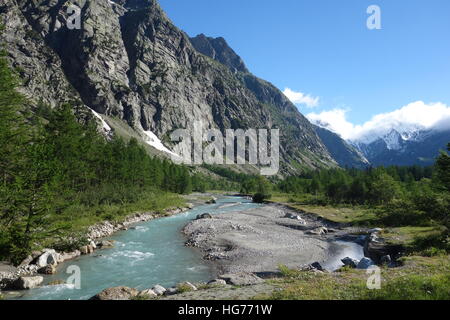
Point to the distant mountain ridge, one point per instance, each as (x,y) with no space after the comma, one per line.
(402,144)
(407,148)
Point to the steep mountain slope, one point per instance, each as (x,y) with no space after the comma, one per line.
(345,154)
(129,62)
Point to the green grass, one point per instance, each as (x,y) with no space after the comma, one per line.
(421,278)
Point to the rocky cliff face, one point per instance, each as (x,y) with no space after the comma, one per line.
(130,62)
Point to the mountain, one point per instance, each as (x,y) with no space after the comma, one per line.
(345,154)
(144,77)
(218,49)
(408,147)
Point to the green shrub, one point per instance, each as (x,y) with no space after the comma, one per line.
(260,197)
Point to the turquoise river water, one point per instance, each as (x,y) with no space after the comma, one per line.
(153,253)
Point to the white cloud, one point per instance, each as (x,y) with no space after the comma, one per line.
(416,115)
(301,98)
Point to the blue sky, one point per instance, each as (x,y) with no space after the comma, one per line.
(323,48)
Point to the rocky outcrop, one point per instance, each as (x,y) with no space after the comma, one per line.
(129,61)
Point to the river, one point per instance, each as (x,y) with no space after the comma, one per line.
(152,253)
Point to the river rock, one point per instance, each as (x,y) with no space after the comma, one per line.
(375,230)
(159,290)
(69,256)
(27,283)
(294,216)
(217,282)
(352,263)
(50,269)
(106,244)
(148,293)
(171,291)
(56,283)
(241,279)
(117,293)
(365,263)
(204,216)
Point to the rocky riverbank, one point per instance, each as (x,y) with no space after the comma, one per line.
(27,274)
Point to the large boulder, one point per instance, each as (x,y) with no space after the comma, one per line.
(117,293)
(241,279)
(27,283)
(49,257)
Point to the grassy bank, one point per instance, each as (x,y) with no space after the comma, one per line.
(76,219)
(420,278)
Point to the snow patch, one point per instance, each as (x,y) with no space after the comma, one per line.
(151,139)
(105,126)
